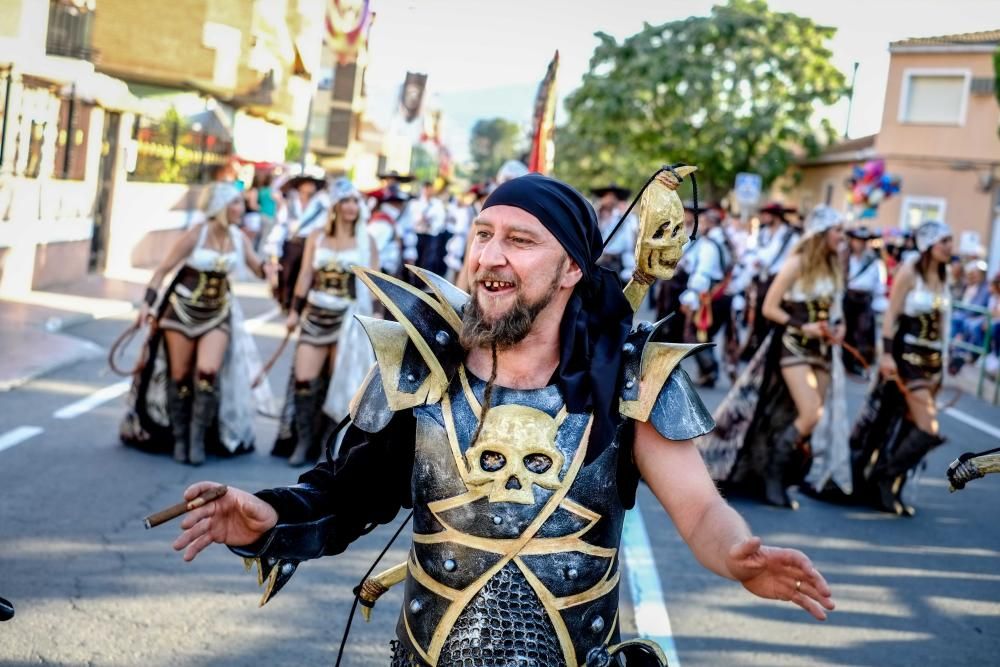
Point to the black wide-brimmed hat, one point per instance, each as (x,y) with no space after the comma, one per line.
(689,206)
(391,193)
(294,182)
(776,208)
(398,177)
(620,193)
(862,233)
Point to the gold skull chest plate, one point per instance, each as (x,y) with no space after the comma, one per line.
(515,545)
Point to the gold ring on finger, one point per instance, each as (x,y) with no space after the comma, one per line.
(798,585)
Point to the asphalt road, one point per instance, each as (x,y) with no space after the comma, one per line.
(92,587)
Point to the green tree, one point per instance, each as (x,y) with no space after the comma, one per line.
(423,165)
(729,92)
(492,143)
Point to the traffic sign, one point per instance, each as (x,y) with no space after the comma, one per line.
(748,187)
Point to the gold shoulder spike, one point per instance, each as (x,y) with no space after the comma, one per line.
(389,342)
(372,279)
(658,361)
(450,296)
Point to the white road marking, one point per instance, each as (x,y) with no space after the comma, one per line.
(115,390)
(651,619)
(87,404)
(18,435)
(253,323)
(973,422)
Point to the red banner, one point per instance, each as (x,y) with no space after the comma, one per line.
(543,133)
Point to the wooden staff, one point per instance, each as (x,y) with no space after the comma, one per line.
(174,511)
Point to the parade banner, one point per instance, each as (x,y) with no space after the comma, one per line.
(347,24)
(411,97)
(543,125)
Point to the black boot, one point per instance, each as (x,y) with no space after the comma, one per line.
(784,454)
(179,411)
(890,471)
(206,406)
(306,401)
(708,367)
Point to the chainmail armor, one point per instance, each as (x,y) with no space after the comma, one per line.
(505,624)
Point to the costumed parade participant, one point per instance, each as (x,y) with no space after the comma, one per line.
(705,301)
(389,204)
(458,244)
(774,241)
(193,393)
(764,438)
(305,210)
(494,418)
(619,252)
(864,298)
(898,425)
(326,299)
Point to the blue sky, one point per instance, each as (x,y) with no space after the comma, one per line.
(484,58)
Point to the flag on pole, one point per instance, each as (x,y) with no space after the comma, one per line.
(543,132)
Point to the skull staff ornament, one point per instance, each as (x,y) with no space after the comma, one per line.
(660,243)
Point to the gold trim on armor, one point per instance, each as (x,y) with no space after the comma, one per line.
(437,383)
(389,340)
(449,312)
(455,609)
(658,361)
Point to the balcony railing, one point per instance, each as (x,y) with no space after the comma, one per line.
(70,26)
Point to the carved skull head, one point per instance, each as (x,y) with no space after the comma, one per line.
(515,450)
(662,235)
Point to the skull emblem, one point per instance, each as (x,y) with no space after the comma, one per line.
(515,450)
(662,235)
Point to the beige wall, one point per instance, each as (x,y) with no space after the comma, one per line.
(812,186)
(170,47)
(977,139)
(10,17)
(968,208)
(60,263)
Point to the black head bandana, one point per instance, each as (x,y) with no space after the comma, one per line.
(598,318)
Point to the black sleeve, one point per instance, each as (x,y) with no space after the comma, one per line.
(333,505)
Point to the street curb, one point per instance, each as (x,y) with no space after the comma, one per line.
(88,350)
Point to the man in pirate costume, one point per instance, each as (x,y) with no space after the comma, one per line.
(307,206)
(516,423)
(619,251)
(705,300)
(775,240)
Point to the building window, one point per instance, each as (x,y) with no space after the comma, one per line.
(70,26)
(934,97)
(917,210)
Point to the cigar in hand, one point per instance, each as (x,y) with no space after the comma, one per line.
(175,511)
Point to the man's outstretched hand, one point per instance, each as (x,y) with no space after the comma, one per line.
(780,574)
(235,519)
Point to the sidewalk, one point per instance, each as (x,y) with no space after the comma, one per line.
(32,324)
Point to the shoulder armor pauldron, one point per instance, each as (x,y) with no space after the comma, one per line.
(655,389)
(418,354)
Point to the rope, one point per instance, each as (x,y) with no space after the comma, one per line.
(357,590)
(266,368)
(124,340)
(903,389)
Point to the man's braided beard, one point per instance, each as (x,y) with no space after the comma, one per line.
(511,327)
